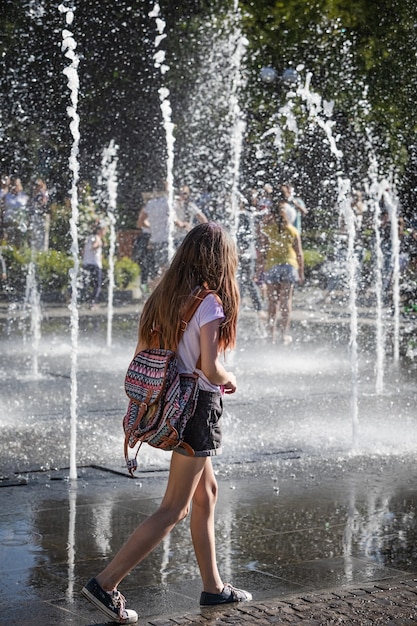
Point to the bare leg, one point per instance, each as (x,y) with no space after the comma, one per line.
(273,297)
(202,529)
(184,476)
(285,305)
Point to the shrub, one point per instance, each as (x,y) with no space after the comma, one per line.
(17,261)
(312,258)
(52,270)
(125,272)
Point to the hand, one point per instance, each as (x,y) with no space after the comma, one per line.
(230,386)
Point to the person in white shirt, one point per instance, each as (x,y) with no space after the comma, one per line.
(93,263)
(15,218)
(295,208)
(187,214)
(154,220)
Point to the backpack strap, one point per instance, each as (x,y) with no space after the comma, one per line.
(155,339)
(193,303)
(196,299)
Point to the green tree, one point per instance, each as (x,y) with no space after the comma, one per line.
(360,55)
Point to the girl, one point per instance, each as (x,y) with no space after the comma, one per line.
(282,265)
(206,257)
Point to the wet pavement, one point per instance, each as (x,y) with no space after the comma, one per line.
(319,532)
(314,543)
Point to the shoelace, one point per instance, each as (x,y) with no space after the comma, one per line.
(119,602)
(233,591)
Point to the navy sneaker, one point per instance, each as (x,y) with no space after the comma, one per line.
(111,603)
(229,594)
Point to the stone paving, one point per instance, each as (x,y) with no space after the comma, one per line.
(371,604)
(54,536)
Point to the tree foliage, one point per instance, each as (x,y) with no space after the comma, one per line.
(360,55)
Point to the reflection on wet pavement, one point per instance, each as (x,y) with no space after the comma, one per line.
(287,526)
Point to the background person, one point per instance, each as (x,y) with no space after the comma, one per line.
(297,205)
(142,254)
(187,214)
(15,222)
(39,218)
(3,269)
(154,219)
(4,188)
(93,264)
(283,266)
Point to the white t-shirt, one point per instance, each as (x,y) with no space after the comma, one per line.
(157,211)
(291,213)
(15,206)
(188,349)
(91,255)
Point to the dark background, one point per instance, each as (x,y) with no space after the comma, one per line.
(361,56)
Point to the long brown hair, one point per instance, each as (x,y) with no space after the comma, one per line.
(207,257)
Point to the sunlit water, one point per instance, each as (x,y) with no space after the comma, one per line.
(290,402)
(108,180)
(69,46)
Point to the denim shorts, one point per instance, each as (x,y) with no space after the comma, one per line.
(281,274)
(203,431)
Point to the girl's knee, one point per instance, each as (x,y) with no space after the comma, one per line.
(206,496)
(174,514)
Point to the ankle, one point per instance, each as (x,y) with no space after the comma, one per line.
(214,587)
(103,582)
(214,590)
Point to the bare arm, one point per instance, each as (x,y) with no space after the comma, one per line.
(211,366)
(300,206)
(97,243)
(142,219)
(300,256)
(201,218)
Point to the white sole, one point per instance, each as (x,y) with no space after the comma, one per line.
(100,606)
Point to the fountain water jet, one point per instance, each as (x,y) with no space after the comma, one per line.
(32,302)
(109,176)
(72,495)
(344,202)
(373,193)
(395,256)
(320,113)
(238,119)
(71,71)
(159,58)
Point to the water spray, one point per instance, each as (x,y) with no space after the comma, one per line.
(109,177)
(159,63)
(320,113)
(238,120)
(71,72)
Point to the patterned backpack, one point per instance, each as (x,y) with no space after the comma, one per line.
(161,401)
